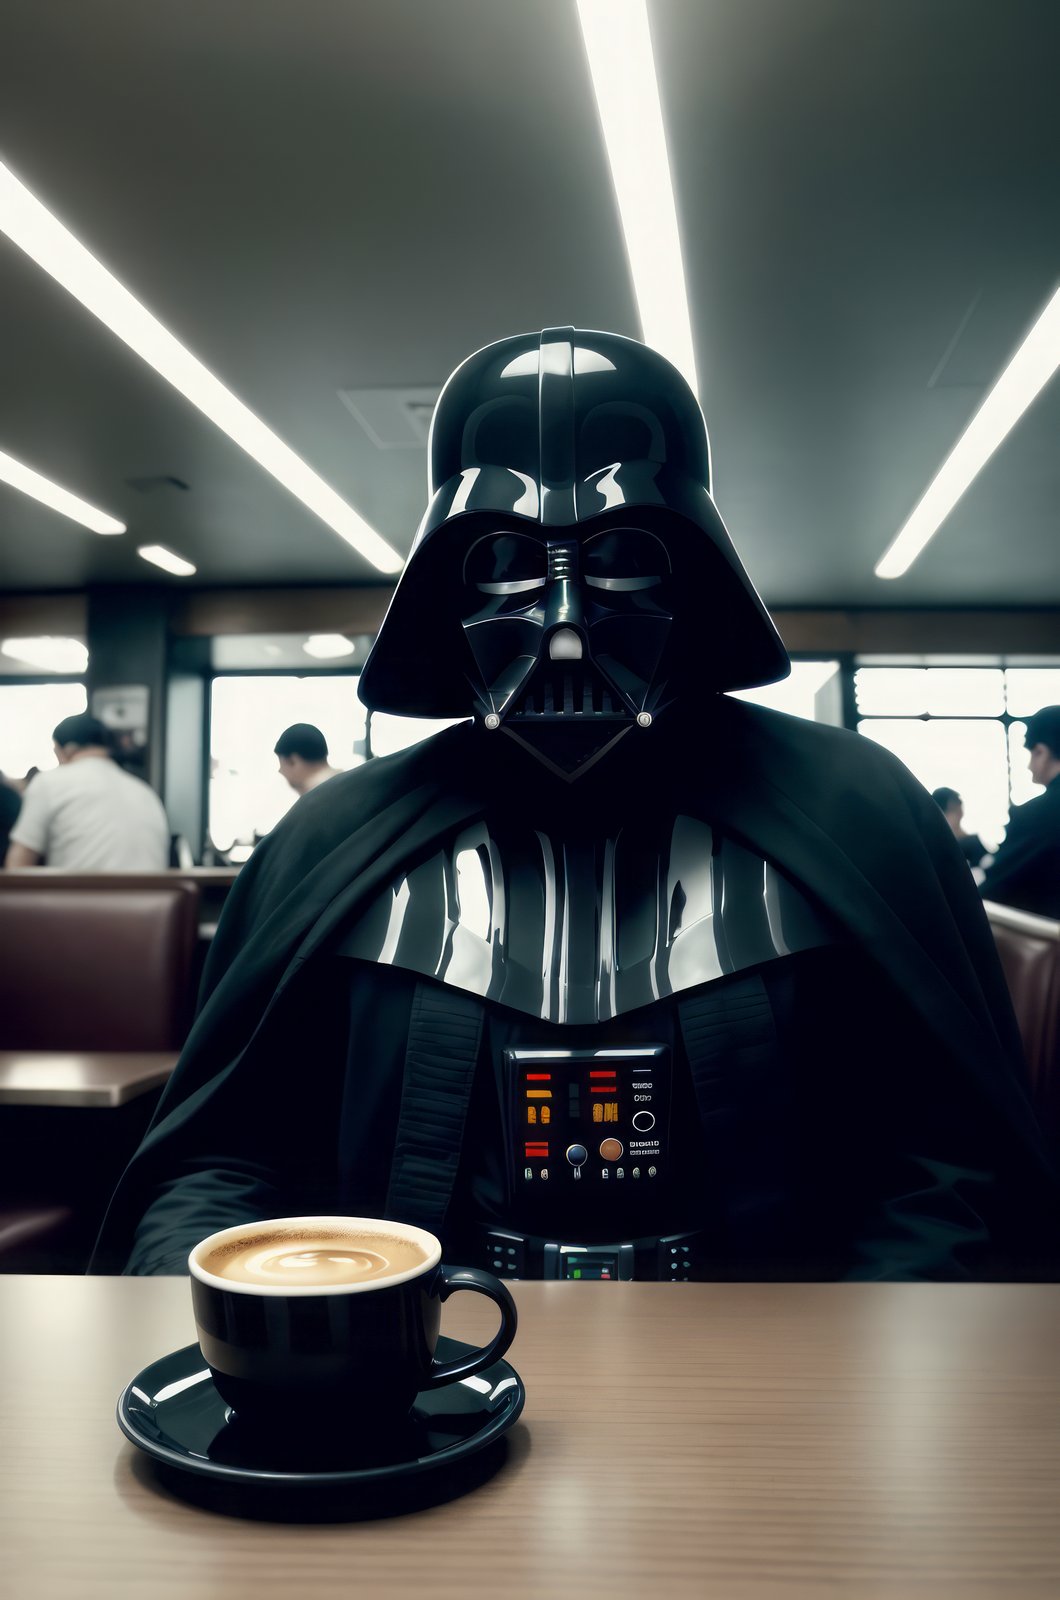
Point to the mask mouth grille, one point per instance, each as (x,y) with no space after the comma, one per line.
(562,690)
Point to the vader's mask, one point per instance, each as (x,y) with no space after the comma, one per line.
(572,579)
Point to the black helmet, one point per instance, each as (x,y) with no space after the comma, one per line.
(568,436)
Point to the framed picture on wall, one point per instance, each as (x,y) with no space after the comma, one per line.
(124,710)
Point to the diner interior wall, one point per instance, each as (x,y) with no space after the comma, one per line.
(956,631)
(163,638)
(187,742)
(127,633)
(215,613)
(353,611)
(35,615)
(359,609)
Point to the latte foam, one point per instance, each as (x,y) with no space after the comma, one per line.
(313,1257)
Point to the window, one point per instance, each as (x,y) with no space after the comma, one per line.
(247,794)
(390,734)
(248,712)
(28,713)
(812,691)
(958,728)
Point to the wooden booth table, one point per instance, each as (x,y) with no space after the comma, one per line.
(69,1121)
(737,1441)
(81,1078)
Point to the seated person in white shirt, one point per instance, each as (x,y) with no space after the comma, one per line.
(88,814)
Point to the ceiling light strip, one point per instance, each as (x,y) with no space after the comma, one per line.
(1021,382)
(47,654)
(44,238)
(328,646)
(159,556)
(19,476)
(622,67)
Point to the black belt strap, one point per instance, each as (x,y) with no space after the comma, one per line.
(744,1093)
(445,1032)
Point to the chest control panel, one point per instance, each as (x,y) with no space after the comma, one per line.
(588,1120)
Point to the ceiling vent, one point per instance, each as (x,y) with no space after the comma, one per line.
(159,481)
(394,419)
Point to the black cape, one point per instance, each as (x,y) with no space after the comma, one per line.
(836,812)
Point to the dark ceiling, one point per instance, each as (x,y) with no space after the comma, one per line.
(335,195)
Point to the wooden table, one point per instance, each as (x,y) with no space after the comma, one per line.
(722,1442)
(81,1077)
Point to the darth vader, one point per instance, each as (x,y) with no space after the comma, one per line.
(619,977)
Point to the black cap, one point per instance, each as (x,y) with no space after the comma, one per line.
(82,729)
(1044,728)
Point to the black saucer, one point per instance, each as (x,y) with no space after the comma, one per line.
(172,1411)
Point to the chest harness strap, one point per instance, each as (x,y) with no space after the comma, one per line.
(743,1094)
(745,1097)
(445,1033)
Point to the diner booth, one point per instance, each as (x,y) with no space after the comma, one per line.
(100,976)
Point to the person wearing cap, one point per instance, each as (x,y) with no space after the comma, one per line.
(88,815)
(1026,870)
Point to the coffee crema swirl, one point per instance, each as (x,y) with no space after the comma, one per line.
(313,1258)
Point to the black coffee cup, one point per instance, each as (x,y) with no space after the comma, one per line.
(310,1355)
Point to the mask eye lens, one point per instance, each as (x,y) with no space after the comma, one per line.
(625,559)
(506,563)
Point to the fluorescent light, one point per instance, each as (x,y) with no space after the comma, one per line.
(622,67)
(47,654)
(1022,380)
(22,477)
(33,228)
(328,646)
(159,556)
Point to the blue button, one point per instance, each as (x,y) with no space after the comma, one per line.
(576,1154)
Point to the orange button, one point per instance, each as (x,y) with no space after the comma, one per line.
(611,1150)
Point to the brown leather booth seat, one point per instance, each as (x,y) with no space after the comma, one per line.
(211,883)
(1029,948)
(89,968)
(99,965)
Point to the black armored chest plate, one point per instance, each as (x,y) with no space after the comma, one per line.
(576,927)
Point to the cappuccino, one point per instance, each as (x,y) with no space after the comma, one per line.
(310,1257)
(314,1323)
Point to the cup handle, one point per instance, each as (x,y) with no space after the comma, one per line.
(448,1281)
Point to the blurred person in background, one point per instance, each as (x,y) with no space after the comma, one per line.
(88,815)
(10,805)
(303,753)
(973,849)
(1026,870)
